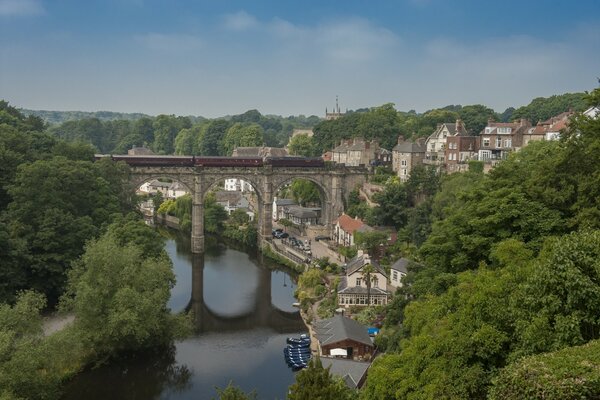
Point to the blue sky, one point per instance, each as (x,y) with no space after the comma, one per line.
(220,57)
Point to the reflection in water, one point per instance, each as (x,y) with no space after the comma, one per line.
(143,376)
(243,312)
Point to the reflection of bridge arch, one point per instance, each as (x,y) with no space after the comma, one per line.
(335,183)
(264,314)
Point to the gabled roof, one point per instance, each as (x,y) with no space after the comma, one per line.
(402,264)
(360,261)
(340,328)
(352,372)
(349,224)
(409,147)
(301,212)
(284,202)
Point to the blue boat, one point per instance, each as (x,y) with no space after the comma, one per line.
(299,346)
(303,339)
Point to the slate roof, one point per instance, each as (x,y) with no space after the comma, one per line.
(409,147)
(402,265)
(340,328)
(361,260)
(350,371)
(362,290)
(284,202)
(301,212)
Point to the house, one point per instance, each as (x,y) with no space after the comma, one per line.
(435,145)
(499,139)
(549,129)
(155,186)
(278,205)
(405,156)
(237,185)
(592,112)
(306,132)
(231,201)
(176,190)
(353,289)
(460,149)
(345,228)
(301,215)
(353,373)
(260,151)
(382,157)
(341,336)
(355,152)
(398,270)
(139,151)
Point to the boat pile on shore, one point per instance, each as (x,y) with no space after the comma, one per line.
(297,352)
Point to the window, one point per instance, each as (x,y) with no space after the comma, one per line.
(358,281)
(507,142)
(395,275)
(498,142)
(404,172)
(486,142)
(375,282)
(403,163)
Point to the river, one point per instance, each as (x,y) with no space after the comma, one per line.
(243,309)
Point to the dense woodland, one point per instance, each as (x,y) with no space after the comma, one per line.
(505,292)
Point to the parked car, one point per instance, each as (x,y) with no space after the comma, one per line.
(281,235)
(322,237)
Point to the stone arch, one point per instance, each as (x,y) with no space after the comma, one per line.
(323,187)
(209,181)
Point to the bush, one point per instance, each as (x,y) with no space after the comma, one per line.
(571,373)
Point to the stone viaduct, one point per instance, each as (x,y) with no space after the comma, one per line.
(335,182)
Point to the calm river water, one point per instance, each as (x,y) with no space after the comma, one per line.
(243,308)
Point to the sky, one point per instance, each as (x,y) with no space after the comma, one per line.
(222,57)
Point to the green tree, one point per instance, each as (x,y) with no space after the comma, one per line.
(475,117)
(119,297)
(371,241)
(305,192)
(57,206)
(315,382)
(286,223)
(232,392)
(571,373)
(209,142)
(239,135)
(214,214)
(301,145)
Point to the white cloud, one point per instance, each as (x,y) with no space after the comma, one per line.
(240,21)
(10,8)
(174,43)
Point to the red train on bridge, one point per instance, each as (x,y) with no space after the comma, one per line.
(205,161)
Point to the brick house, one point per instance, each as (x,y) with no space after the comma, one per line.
(459,150)
(499,139)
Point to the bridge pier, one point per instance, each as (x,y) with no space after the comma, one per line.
(197,217)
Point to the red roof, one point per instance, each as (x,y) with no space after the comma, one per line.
(349,224)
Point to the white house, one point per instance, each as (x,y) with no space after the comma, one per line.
(345,229)
(353,287)
(398,270)
(237,185)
